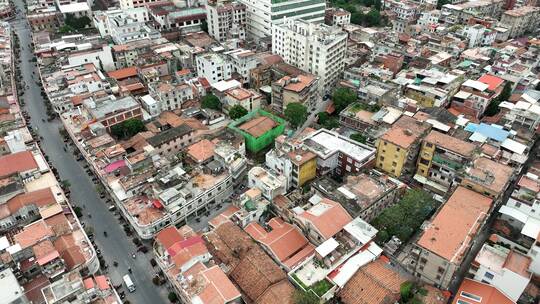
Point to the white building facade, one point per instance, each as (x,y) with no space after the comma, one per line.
(317,48)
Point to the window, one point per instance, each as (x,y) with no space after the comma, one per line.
(471,296)
(462,302)
(489,275)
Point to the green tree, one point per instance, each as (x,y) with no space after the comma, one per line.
(296,114)
(302,297)
(172,297)
(127,128)
(327,121)
(211,101)
(537,87)
(77,23)
(343,97)
(406,291)
(64,29)
(358,137)
(493,107)
(440,3)
(373,17)
(237,111)
(405,217)
(357,18)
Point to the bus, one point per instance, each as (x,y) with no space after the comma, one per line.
(129,284)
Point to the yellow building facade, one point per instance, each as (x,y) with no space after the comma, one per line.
(390,157)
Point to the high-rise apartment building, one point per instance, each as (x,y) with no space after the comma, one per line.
(262,14)
(314,47)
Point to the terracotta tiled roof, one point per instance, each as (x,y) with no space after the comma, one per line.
(327,217)
(33,233)
(251,268)
(453,228)
(17,162)
(123,73)
(490,174)
(258,126)
(59,224)
(487,293)
(201,151)
(375,283)
(40,198)
(168,236)
(284,240)
(450,143)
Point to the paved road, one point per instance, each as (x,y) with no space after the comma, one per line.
(117,246)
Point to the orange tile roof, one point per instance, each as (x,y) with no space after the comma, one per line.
(59,224)
(239,93)
(45,252)
(169,236)
(219,287)
(33,233)
(253,271)
(487,293)
(327,217)
(375,283)
(258,126)
(17,162)
(400,137)
(518,263)
(201,151)
(490,174)
(40,198)
(123,73)
(456,224)
(284,240)
(450,143)
(73,257)
(493,82)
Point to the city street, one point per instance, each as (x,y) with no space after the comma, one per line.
(116,246)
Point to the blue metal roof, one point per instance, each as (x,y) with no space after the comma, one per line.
(493,132)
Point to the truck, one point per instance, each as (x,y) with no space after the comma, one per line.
(129,284)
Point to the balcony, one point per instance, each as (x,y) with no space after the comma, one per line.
(444,161)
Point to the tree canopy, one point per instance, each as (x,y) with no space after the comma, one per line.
(372,18)
(77,23)
(405,217)
(296,114)
(493,108)
(327,121)
(358,137)
(343,97)
(237,111)
(127,128)
(211,101)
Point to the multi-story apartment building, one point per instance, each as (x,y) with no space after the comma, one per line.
(503,268)
(460,13)
(124,26)
(404,13)
(398,148)
(226,20)
(109,111)
(171,96)
(263,15)
(214,67)
(337,16)
(449,236)
(302,89)
(297,164)
(521,20)
(525,113)
(475,95)
(317,48)
(242,62)
(433,88)
(168,16)
(441,158)
(365,195)
(270,185)
(488,177)
(338,154)
(172,140)
(247,98)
